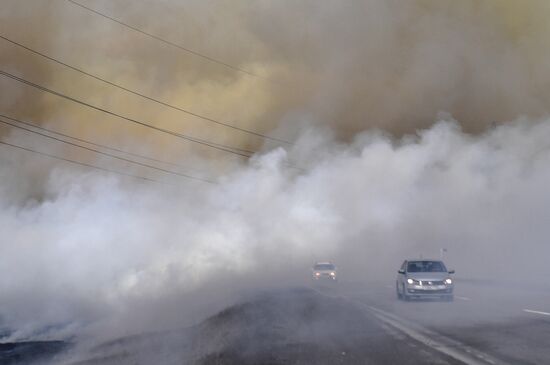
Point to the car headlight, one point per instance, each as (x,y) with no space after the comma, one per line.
(332,274)
(317,274)
(448,281)
(410,281)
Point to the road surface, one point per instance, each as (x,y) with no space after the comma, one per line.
(508,322)
(348,323)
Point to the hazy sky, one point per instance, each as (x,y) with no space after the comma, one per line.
(352,65)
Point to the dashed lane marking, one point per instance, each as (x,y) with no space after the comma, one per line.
(462,298)
(536,312)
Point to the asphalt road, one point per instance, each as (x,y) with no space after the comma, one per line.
(506,322)
(488,323)
(286,326)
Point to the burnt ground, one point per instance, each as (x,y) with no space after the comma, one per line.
(31,352)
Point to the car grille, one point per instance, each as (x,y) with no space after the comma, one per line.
(434,291)
(432,282)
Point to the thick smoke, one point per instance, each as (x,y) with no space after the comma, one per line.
(101,252)
(355,65)
(358,85)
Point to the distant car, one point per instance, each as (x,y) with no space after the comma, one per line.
(424,279)
(324,271)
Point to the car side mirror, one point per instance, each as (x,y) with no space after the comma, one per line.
(401,271)
(451,271)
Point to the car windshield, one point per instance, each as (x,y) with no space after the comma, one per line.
(426,266)
(323,267)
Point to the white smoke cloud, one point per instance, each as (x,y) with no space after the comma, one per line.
(103,255)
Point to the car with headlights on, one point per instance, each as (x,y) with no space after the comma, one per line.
(325,271)
(424,279)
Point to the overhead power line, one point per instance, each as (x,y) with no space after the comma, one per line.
(32,125)
(172,44)
(213,145)
(160,102)
(79,163)
(108,154)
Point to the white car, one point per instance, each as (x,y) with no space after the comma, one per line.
(424,279)
(324,271)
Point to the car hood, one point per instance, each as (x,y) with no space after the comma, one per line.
(428,276)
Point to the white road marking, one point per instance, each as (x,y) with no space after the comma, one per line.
(462,298)
(436,341)
(536,312)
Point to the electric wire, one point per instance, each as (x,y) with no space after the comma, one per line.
(216,146)
(79,163)
(160,102)
(110,155)
(172,44)
(94,143)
